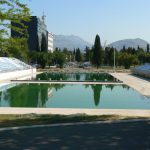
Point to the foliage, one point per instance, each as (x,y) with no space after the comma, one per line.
(32,57)
(78,56)
(68,54)
(88,54)
(97,52)
(43,44)
(42,59)
(97,93)
(59,58)
(13,12)
(126,57)
(50,57)
(126,60)
(109,56)
(147,48)
(19,50)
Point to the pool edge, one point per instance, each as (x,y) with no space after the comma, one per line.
(71,111)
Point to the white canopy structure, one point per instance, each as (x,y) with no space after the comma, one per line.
(143,70)
(12,68)
(8,64)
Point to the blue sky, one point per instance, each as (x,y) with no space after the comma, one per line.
(112,19)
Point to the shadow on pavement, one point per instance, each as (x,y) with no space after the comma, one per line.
(112,136)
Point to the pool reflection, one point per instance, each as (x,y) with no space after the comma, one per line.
(103,77)
(37,95)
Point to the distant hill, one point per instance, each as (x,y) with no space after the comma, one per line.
(129,43)
(70,42)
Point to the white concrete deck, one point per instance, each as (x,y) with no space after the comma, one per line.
(23,77)
(66,82)
(139,84)
(70,111)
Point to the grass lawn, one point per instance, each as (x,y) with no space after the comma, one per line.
(34,119)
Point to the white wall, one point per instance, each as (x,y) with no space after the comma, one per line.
(50,42)
(17,74)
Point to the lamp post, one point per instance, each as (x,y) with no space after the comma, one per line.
(114,61)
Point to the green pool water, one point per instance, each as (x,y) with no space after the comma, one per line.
(73,96)
(101,77)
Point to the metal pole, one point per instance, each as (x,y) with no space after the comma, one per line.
(114,61)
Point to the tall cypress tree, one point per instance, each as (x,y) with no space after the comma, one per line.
(147,48)
(78,55)
(97,93)
(97,52)
(43,43)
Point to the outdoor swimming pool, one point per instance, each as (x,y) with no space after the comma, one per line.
(100,77)
(73,96)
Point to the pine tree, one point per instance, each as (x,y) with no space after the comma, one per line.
(97,52)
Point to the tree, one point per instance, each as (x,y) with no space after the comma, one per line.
(78,56)
(20,50)
(130,50)
(148,57)
(106,56)
(139,50)
(109,56)
(88,54)
(124,48)
(97,52)
(42,59)
(126,59)
(147,48)
(33,56)
(13,12)
(43,44)
(38,47)
(141,57)
(135,61)
(68,54)
(96,93)
(49,58)
(74,52)
(59,58)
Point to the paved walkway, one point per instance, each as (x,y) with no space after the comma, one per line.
(113,136)
(139,84)
(70,111)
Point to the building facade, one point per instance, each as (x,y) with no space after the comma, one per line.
(37,31)
(50,42)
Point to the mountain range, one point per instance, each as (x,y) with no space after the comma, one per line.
(129,43)
(71,42)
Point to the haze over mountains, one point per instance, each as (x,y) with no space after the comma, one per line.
(129,43)
(71,42)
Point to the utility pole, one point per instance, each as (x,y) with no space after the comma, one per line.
(114,60)
(105,44)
